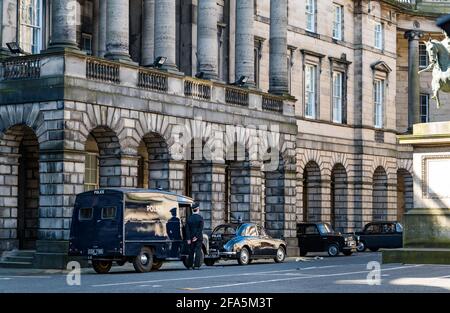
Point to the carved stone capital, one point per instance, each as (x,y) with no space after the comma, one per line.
(413,34)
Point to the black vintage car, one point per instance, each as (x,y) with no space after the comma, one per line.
(144,227)
(320,237)
(243,242)
(378,235)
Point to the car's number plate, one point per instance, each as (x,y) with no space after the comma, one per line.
(213,253)
(95,251)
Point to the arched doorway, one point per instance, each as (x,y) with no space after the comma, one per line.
(404,193)
(312,194)
(155,156)
(379,195)
(19,183)
(102,159)
(339,201)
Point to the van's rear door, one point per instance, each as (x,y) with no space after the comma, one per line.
(97,229)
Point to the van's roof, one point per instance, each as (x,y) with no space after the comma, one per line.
(141,190)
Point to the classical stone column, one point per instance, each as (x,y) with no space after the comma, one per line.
(64,32)
(413,37)
(148,33)
(207,45)
(278,77)
(165,32)
(245,41)
(102,28)
(96,27)
(117,30)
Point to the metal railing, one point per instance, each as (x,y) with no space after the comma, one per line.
(23,68)
(236,96)
(272,103)
(102,70)
(196,89)
(152,80)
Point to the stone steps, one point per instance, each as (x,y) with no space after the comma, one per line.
(17,259)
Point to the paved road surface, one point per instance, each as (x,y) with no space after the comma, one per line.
(341,274)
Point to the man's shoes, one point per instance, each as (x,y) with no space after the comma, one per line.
(196,268)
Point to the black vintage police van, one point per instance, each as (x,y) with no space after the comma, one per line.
(141,226)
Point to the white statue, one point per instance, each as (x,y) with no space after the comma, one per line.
(439,56)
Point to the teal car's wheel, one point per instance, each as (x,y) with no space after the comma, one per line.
(244,257)
(281,255)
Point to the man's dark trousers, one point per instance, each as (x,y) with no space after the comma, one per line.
(195,248)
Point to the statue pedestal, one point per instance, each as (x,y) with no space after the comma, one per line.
(426,236)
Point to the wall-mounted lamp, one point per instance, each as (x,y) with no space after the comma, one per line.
(14,48)
(159,62)
(241,81)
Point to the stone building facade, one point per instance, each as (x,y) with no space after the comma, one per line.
(272,111)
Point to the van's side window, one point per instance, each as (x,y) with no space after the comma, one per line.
(85,214)
(109,213)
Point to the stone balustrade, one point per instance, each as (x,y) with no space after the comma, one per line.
(102,70)
(152,80)
(21,68)
(78,65)
(238,96)
(197,89)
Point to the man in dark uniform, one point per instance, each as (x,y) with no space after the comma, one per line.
(194,236)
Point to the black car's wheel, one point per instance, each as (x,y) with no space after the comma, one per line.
(281,255)
(157,265)
(333,250)
(303,252)
(210,262)
(185,262)
(143,262)
(101,267)
(347,252)
(374,249)
(361,247)
(244,257)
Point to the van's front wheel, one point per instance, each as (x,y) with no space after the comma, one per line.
(101,267)
(143,262)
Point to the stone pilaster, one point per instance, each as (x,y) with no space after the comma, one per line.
(61,179)
(207,45)
(278,77)
(177,176)
(208,188)
(8,25)
(110,171)
(64,32)
(129,171)
(245,41)
(413,37)
(245,191)
(148,33)
(9,167)
(117,30)
(165,32)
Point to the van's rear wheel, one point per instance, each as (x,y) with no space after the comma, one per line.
(101,267)
(157,265)
(143,262)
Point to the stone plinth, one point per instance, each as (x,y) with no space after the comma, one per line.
(426,236)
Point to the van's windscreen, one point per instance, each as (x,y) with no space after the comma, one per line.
(85,214)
